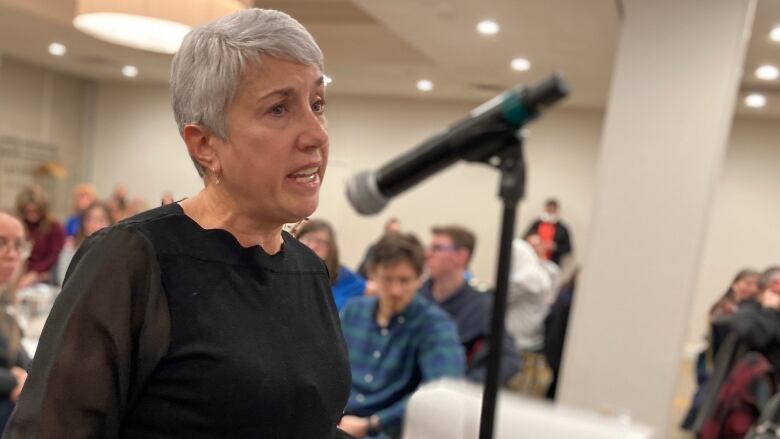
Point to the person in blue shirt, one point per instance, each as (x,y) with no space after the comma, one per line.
(319,236)
(397,341)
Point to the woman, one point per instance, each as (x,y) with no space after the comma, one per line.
(202,319)
(319,237)
(742,288)
(46,233)
(14,250)
(95,217)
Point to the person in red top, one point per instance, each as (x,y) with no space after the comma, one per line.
(47,234)
(554,234)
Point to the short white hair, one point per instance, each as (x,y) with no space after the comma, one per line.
(210,63)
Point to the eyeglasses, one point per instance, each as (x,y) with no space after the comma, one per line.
(442,248)
(21,246)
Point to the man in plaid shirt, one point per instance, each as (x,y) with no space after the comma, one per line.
(397,341)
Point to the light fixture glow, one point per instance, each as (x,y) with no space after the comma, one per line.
(774,34)
(755,100)
(326,79)
(424,85)
(487,27)
(130,71)
(57,49)
(146,33)
(520,64)
(767,72)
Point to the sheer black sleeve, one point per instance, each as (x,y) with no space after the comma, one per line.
(107,330)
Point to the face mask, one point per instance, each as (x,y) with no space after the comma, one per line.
(548,218)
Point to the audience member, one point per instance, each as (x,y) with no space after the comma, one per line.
(167,198)
(393,225)
(744,287)
(530,295)
(14,361)
(47,235)
(754,327)
(118,203)
(318,235)
(83,196)
(397,341)
(97,216)
(757,323)
(553,232)
(446,260)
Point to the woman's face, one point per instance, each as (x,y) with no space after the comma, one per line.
(94,220)
(745,288)
(318,242)
(14,249)
(32,213)
(274,159)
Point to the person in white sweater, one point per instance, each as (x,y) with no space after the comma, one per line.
(532,284)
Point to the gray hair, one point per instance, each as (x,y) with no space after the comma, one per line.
(208,67)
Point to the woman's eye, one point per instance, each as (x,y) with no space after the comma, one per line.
(318,106)
(277,110)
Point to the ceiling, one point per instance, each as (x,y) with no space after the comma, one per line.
(381,48)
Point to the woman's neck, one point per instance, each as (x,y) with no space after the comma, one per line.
(212,210)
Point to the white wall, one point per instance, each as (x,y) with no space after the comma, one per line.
(137,144)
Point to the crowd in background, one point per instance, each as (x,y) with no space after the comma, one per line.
(411,311)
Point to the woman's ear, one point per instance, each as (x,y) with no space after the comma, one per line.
(200,143)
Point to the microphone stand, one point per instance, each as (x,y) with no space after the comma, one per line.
(506,156)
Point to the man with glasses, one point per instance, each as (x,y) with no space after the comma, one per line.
(447,260)
(14,361)
(397,341)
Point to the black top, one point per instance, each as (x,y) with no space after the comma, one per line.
(166,330)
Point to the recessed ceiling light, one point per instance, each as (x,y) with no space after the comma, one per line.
(487,27)
(774,34)
(326,79)
(57,49)
(130,71)
(767,72)
(520,64)
(755,100)
(424,85)
(139,32)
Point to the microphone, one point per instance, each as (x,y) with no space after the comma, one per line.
(470,139)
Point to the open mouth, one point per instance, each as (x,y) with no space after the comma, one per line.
(306,175)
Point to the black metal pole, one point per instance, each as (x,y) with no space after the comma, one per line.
(512,189)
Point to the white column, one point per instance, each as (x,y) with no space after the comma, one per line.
(674,87)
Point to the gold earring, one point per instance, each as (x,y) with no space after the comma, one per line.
(217,181)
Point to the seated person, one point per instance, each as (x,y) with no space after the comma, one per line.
(446,260)
(47,235)
(397,341)
(318,235)
(757,323)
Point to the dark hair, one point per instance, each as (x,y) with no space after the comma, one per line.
(461,237)
(81,234)
(399,247)
(551,202)
(332,260)
(729,294)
